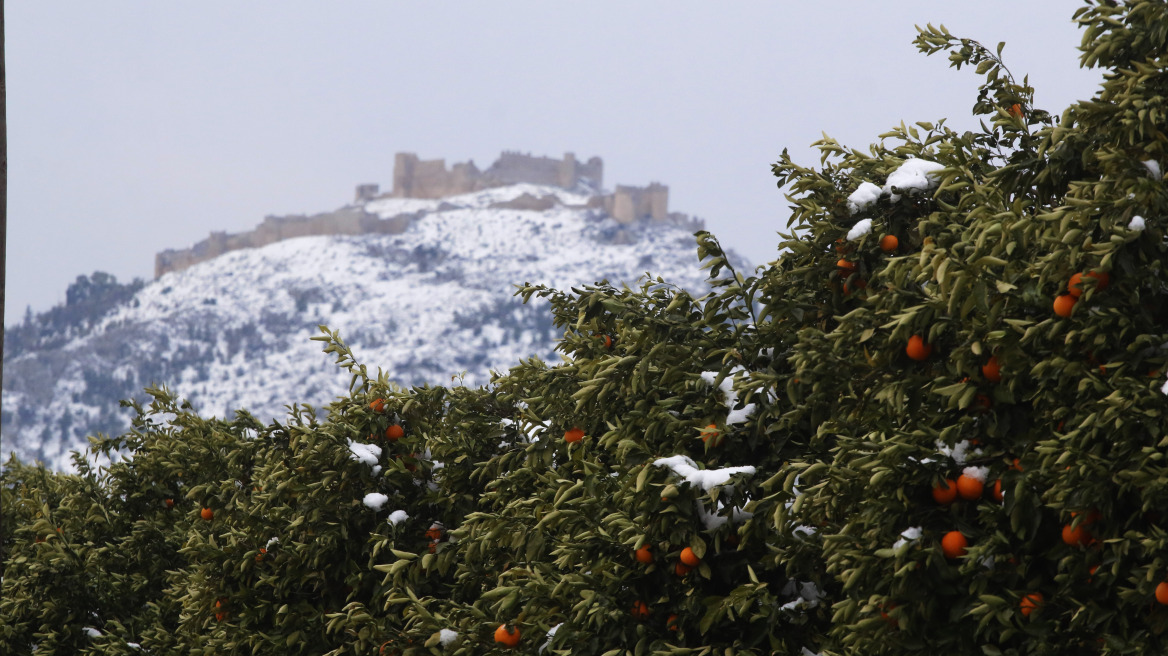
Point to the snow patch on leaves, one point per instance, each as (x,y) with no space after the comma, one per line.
(863,197)
(706,479)
(910,534)
(375,500)
(1153,168)
(862,227)
(397,517)
(1136,223)
(913,176)
(366,453)
(729,396)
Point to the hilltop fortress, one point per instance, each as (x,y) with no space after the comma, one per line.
(415,178)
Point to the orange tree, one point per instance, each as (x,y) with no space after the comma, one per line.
(974,348)
(916,431)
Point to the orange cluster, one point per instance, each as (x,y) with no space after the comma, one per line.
(1064,304)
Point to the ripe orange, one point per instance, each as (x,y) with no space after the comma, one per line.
(1075,536)
(671,622)
(711,436)
(433,546)
(953,544)
(1030,603)
(945,492)
(969,487)
(998,490)
(1063,304)
(207,514)
(991,370)
(1162,593)
(434,533)
(377,405)
(260,555)
(573,434)
(1015,110)
(394,433)
(1017,465)
(889,243)
(220,616)
(169,503)
(640,610)
(917,349)
(1075,284)
(845,266)
(644,554)
(507,637)
(607,341)
(688,557)
(680,569)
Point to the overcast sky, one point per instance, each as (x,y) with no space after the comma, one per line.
(139,126)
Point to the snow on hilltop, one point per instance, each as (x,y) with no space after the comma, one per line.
(425,305)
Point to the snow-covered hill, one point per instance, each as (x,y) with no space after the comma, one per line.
(425,305)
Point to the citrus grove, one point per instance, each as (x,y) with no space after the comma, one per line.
(934,425)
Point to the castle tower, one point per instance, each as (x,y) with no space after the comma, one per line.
(403,174)
(366,192)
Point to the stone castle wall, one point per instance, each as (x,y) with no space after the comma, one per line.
(416,178)
(347,221)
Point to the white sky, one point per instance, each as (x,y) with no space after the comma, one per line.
(139,126)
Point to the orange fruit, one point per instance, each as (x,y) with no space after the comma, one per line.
(945,492)
(644,554)
(508,637)
(260,555)
(433,546)
(1017,465)
(688,557)
(607,341)
(1075,284)
(917,349)
(998,490)
(220,616)
(1077,535)
(1015,110)
(991,370)
(1063,304)
(969,487)
(1162,593)
(671,622)
(845,266)
(170,503)
(953,544)
(1030,603)
(889,243)
(377,405)
(680,569)
(860,284)
(434,533)
(711,436)
(640,610)
(207,514)
(573,434)
(394,432)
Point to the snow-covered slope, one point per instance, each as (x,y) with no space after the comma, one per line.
(425,305)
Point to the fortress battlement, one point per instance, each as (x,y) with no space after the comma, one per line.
(417,178)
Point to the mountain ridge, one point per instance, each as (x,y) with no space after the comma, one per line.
(426,304)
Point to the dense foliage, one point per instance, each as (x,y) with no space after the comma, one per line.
(938,443)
